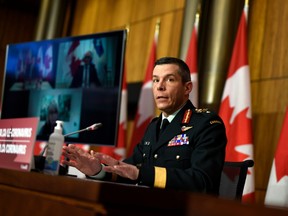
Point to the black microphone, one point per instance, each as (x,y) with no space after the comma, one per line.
(90,128)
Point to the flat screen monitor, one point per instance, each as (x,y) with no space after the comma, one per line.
(77,80)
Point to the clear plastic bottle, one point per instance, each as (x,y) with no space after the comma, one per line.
(54,150)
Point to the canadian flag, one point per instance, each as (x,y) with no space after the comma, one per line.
(235,109)
(277,190)
(72,58)
(146,106)
(191,61)
(119,151)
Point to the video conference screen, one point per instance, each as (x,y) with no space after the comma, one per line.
(76,79)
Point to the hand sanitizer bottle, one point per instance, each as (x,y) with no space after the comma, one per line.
(54,150)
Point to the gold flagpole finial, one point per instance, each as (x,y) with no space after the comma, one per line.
(127,27)
(157,27)
(246,3)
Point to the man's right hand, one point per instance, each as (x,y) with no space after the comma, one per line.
(84,161)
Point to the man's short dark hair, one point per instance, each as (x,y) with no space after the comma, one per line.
(184,71)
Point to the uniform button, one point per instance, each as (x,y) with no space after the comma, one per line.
(155,156)
(144,155)
(177,157)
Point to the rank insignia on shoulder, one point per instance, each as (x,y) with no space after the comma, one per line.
(185,128)
(205,110)
(215,122)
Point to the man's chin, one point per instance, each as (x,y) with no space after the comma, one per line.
(163,108)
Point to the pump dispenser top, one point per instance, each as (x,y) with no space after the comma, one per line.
(59,127)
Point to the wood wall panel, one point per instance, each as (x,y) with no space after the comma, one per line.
(256,29)
(84,17)
(274,53)
(138,48)
(169,38)
(145,9)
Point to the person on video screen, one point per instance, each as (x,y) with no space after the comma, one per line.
(50,123)
(86,74)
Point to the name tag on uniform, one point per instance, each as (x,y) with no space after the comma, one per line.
(181,139)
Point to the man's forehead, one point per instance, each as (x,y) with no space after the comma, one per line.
(165,69)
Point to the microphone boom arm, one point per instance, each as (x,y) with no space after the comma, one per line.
(92,127)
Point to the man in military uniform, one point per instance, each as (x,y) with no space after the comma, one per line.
(188,155)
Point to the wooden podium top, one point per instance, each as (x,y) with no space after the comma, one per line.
(25,193)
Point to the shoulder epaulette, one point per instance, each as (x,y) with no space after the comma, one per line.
(204,110)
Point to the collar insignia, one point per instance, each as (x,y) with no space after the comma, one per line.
(187,116)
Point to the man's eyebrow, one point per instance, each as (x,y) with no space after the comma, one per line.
(167,75)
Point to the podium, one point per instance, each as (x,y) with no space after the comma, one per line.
(29,193)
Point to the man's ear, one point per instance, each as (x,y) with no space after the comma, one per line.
(188,87)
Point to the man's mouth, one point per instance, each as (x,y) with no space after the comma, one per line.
(161,97)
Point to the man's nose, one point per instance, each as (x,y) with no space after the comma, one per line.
(160,86)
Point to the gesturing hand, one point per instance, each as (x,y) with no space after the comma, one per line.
(82,160)
(120,168)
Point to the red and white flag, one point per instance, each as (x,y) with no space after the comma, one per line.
(39,60)
(119,151)
(235,108)
(191,61)
(146,106)
(277,190)
(48,63)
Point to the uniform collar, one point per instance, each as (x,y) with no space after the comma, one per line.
(171,117)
